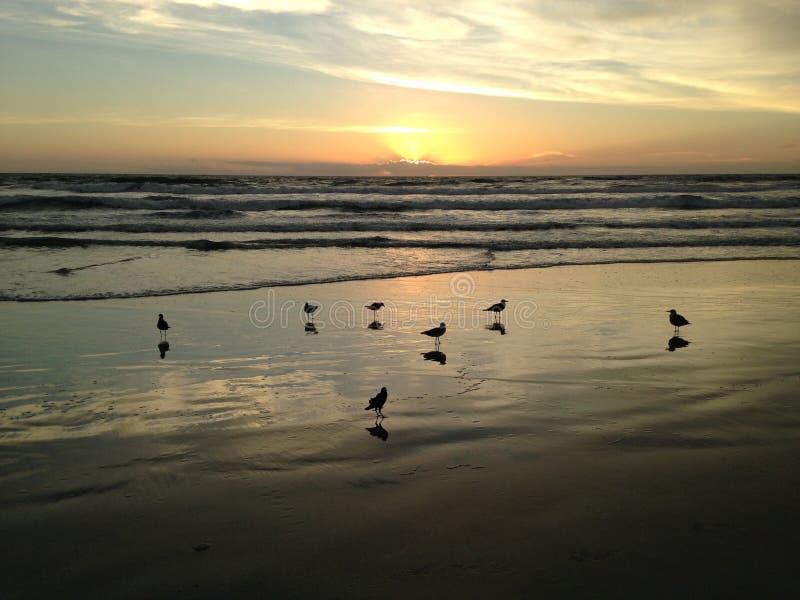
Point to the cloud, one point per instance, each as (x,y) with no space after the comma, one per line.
(411,24)
(272,6)
(718,54)
(698,157)
(552,154)
(209,121)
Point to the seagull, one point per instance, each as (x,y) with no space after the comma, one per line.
(436,332)
(162,325)
(376,403)
(374,307)
(497,308)
(677,320)
(310,309)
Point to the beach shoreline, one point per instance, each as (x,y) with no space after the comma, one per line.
(347,279)
(569,455)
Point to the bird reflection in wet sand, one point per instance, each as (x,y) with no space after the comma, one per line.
(375,325)
(163,348)
(436,333)
(376,402)
(310,328)
(676,342)
(378,431)
(439,357)
(497,327)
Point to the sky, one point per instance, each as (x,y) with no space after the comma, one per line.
(362,87)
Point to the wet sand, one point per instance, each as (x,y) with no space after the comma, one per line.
(572,456)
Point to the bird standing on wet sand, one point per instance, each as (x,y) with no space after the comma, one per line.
(497,308)
(310,309)
(162,325)
(436,332)
(377,402)
(374,307)
(677,320)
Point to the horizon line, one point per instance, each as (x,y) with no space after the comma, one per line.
(213,173)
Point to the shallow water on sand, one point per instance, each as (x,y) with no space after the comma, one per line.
(568,451)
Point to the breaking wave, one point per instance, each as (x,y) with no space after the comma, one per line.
(380,241)
(486,202)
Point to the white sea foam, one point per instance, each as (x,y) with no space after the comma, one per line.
(71,236)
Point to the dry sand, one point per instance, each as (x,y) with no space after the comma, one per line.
(572,456)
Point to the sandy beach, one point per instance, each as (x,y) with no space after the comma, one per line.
(570,454)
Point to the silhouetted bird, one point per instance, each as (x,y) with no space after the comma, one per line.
(376,403)
(497,308)
(310,309)
(677,320)
(162,325)
(436,332)
(374,307)
(163,347)
(676,342)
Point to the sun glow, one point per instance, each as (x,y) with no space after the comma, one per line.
(430,144)
(408,143)
(401,129)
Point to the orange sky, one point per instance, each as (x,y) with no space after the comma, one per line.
(267,86)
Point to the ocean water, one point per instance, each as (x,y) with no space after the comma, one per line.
(105,236)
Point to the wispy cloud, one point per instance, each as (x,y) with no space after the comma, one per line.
(718,54)
(210,121)
(552,154)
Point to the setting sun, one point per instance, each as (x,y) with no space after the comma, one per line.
(411,146)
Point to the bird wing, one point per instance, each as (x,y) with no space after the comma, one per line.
(377,400)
